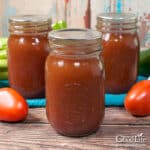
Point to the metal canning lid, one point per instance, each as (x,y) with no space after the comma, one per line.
(117,17)
(30,19)
(75,34)
(29,24)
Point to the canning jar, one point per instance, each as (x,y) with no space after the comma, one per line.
(121,46)
(75,82)
(28,48)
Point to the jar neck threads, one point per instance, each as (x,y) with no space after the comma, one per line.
(75,42)
(29,24)
(116,22)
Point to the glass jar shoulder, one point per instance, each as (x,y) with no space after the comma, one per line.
(120,36)
(129,39)
(76,64)
(27,40)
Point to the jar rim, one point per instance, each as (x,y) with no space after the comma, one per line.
(75,34)
(118,17)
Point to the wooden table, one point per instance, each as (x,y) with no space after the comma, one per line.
(117,133)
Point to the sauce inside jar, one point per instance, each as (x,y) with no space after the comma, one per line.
(120,50)
(28,49)
(74,83)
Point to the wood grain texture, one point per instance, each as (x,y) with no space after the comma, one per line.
(37,134)
(113,116)
(42,136)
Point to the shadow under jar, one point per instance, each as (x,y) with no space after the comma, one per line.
(121,46)
(75,82)
(28,48)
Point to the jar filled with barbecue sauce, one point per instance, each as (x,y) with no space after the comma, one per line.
(28,48)
(121,46)
(75,82)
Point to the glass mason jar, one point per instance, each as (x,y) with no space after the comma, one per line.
(75,82)
(121,46)
(28,48)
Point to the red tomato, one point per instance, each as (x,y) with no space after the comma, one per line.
(137,101)
(13,107)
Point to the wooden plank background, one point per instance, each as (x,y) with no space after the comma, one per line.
(75,10)
(37,134)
